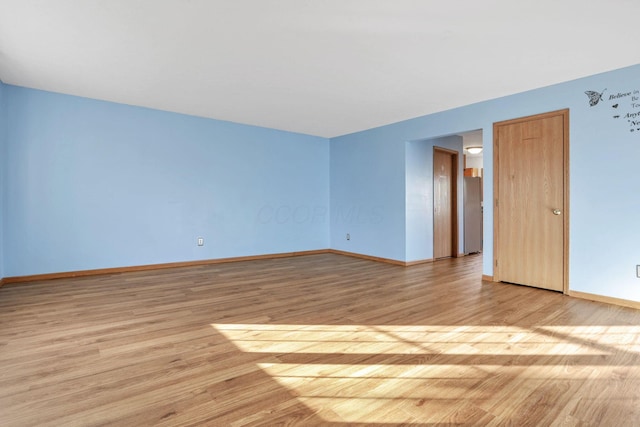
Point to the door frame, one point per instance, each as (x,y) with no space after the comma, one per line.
(565,208)
(454,200)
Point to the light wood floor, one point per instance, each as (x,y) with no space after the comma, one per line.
(314,340)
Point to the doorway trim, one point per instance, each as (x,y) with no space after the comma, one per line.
(454,201)
(496,182)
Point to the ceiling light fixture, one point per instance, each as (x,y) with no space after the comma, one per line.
(474,150)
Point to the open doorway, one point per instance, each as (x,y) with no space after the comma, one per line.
(420,191)
(472,192)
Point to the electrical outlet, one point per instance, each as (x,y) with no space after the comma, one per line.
(638,270)
(200,241)
(348,236)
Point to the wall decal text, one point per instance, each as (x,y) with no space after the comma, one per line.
(625,105)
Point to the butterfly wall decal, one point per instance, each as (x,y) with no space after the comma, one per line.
(615,105)
(594,97)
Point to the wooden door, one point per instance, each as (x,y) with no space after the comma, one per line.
(445,224)
(530,209)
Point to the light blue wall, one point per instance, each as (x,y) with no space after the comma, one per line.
(367,195)
(93,184)
(3,144)
(419,195)
(604,197)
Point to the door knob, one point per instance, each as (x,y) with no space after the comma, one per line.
(557,211)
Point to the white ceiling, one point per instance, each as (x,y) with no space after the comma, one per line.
(320,67)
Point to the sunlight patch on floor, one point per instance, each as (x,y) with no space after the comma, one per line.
(455,340)
(345,373)
(621,337)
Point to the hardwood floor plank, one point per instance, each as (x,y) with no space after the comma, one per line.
(313,340)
